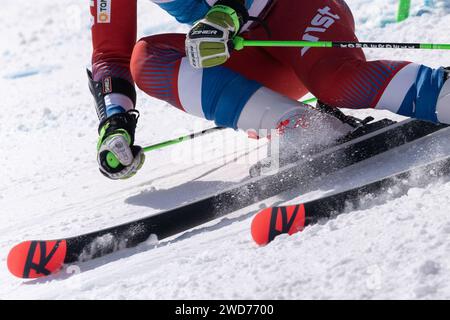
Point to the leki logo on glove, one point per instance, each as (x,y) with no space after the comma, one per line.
(103,11)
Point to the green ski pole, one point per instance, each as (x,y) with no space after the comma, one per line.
(194,135)
(240,43)
(191,136)
(181,139)
(113,162)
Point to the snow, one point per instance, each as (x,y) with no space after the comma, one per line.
(50,186)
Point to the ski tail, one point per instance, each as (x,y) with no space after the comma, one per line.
(272,222)
(35,259)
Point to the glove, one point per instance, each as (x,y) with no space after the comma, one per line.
(117,156)
(210,41)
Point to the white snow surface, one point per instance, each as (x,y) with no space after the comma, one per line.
(50,186)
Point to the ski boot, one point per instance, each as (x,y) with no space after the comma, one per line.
(302,136)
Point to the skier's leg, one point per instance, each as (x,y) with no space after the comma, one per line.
(238,95)
(343,77)
(111,54)
(443,103)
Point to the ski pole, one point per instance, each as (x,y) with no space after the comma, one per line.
(240,43)
(194,135)
(113,162)
(181,139)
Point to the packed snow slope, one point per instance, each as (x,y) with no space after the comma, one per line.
(50,186)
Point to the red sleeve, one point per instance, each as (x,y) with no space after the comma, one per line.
(113,37)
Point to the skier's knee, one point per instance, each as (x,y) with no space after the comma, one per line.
(154,67)
(147,60)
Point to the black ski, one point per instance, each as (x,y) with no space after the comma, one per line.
(371,140)
(272,222)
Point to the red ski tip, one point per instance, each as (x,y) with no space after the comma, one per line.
(271,222)
(35,259)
